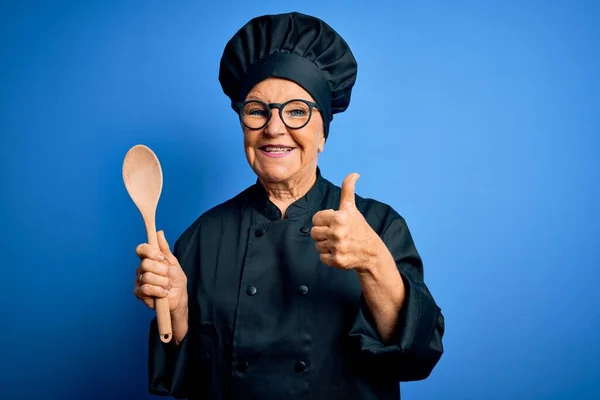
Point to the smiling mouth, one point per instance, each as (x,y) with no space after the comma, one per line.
(276,149)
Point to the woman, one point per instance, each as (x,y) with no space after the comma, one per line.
(295,288)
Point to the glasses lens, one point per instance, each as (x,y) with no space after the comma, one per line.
(296,114)
(255,115)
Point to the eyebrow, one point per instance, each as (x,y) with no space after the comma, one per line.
(253,97)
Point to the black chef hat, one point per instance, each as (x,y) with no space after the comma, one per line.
(293,46)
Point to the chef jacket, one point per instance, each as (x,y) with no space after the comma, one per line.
(268,320)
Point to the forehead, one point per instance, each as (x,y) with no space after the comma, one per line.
(274,90)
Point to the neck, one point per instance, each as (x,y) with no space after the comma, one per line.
(283,194)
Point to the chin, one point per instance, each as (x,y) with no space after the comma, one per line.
(275,174)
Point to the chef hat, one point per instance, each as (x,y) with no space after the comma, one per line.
(292,46)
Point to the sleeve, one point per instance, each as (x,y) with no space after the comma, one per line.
(169,365)
(417,346)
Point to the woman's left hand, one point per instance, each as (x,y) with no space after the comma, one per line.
(343,238)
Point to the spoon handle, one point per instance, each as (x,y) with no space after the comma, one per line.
(161,305)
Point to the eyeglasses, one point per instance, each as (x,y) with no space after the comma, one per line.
(295,113)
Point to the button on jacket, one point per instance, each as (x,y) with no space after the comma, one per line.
(268,320)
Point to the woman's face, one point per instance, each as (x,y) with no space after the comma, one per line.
(276,153)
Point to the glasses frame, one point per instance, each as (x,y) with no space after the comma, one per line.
(280,106)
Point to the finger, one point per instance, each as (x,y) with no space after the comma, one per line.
(144,250)
(164,247)
(319,232)
(323,218)
(348,189)
(323,246)
(154,280)
(138,293)
(148,301)
(147,290)
(327,259)
(155,267)
(141,292)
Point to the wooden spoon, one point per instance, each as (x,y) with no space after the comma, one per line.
(143,179)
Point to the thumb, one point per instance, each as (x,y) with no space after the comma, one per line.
(163,245)
(347,197)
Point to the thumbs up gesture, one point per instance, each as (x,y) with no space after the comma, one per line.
(343,238)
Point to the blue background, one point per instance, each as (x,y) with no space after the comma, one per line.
(478,121)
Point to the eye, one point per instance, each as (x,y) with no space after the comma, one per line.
(256,112)
(296,109)
(297,112)
(255,109)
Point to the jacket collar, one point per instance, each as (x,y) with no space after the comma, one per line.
(310,202)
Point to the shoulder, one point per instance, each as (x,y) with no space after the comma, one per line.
(378,213)
(212,217)
(382,217)
(386,221)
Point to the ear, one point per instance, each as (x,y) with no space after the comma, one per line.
(321,144)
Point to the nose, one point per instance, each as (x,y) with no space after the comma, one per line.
(275,126)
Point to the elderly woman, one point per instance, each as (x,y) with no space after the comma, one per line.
(295,288)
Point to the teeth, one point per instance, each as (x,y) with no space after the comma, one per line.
(270,149)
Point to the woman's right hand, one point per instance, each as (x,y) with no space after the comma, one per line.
(160,275)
